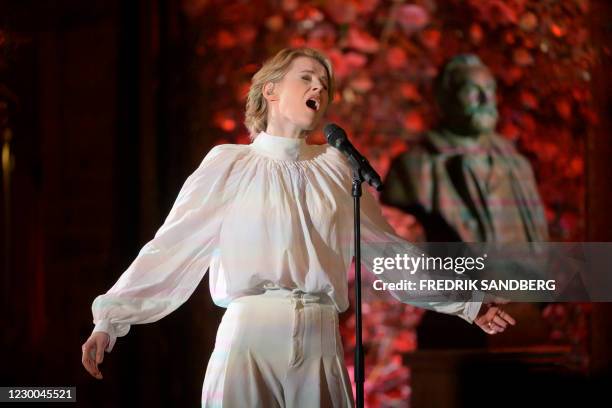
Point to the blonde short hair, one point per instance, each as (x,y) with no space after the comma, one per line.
(273,70)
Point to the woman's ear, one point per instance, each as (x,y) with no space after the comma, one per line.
(268,92)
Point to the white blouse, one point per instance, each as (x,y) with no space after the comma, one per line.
(277,212)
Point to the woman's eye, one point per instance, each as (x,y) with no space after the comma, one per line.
(306,78)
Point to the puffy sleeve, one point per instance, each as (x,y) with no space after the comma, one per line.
(168,268)
(380,241)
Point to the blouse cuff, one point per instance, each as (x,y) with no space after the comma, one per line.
(106,326)
(470,312)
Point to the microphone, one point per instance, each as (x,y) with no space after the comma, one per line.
(336,137)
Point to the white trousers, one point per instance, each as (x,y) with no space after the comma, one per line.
(278,349)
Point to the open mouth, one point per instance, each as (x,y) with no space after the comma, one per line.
(313,104)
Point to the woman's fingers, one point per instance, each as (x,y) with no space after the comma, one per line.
(494,327)
(506,317)
(89,361)
(93,359)
(86,360)
(500,322)
(100,351)
(495,320)
(489,328)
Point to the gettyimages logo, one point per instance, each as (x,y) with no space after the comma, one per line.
(413,264)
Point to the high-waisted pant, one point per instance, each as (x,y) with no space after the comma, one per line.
(278,349)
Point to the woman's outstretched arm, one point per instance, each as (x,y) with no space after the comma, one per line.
(380,241)
(168,268)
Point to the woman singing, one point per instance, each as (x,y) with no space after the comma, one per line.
(273,223)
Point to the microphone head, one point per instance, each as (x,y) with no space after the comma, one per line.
(334,134)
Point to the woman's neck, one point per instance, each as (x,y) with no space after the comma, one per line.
(276,128)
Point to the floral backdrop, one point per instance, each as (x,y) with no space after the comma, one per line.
(385,55)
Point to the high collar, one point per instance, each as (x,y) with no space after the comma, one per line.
(279,147)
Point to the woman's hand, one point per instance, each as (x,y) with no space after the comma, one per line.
(93,352)
(491,317)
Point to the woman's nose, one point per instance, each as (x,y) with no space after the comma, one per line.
(317,85)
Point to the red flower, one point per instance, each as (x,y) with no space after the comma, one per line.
(362,83)
(575,168)
(396,57)
(290,5)
(528,123)
(362,41)
(322,37)
(495,12)
(355,59)
(413,122)
(366,6)
(344,64)
(307,12)
(410,92)
(511,75)
(224,121)
(564,108)
(275,22)
(225,39)
(242,91)
(510,131)
(297,42)
(246,34)
(341,11)
(528,21)
(411,18)
(431,38)
(529,100)
(522,57)
(557,30)
(476,33)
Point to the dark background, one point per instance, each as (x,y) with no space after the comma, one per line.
(97,168)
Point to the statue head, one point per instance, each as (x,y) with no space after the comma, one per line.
(465,91)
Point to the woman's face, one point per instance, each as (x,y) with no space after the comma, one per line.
(300,99)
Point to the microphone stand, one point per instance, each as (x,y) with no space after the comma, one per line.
(362,171)
(359,359)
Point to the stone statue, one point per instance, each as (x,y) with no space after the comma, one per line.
(462,181)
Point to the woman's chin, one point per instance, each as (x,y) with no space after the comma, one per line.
(308,126)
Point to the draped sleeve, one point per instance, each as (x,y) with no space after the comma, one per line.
(379,240)
(169,267)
